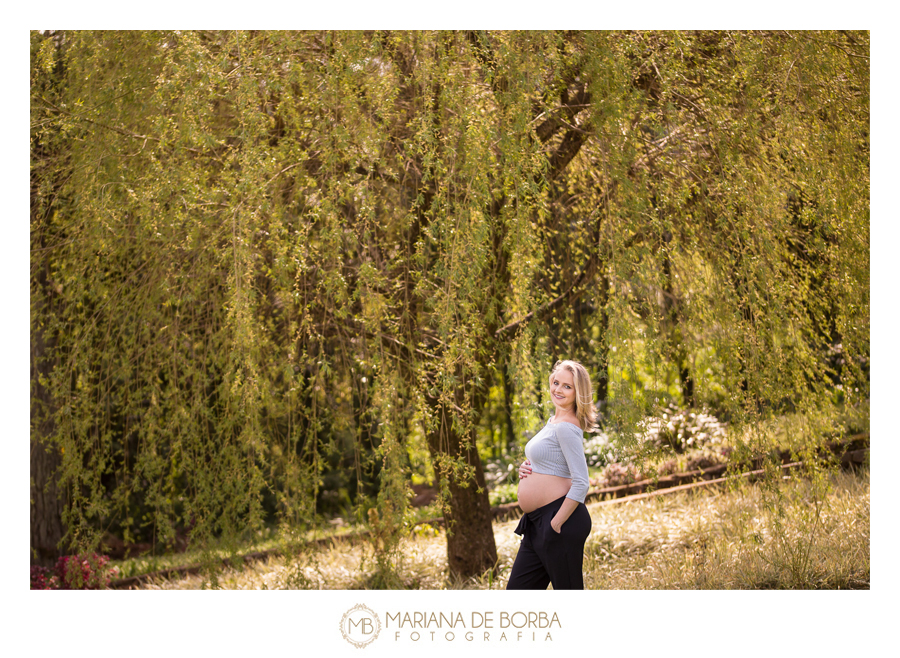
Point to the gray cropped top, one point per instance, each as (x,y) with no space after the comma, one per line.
(558,450)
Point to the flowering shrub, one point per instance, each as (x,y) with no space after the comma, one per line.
(683,430)
(668,467)
(617,474)
(599,451)
(694,460)
(87,571)
(41,578)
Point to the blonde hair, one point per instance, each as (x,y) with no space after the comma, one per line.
(584,393)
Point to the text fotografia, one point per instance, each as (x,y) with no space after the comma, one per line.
(480,626)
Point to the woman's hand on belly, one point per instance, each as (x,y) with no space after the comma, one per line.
(525,469)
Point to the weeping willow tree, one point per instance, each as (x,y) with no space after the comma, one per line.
(254,251)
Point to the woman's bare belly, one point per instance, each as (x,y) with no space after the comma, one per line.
(538,489)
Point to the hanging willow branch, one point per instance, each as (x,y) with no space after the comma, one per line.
(331,250)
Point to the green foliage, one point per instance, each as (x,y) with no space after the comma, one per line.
(275,275)
(503,493)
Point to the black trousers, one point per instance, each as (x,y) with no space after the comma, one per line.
(546,556)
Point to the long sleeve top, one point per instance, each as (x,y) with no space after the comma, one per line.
(558,449)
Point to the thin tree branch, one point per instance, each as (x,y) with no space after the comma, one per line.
(554,123)
(120,131)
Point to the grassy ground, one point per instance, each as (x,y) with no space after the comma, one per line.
(753,537)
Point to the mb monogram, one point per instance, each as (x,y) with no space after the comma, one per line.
(360,625)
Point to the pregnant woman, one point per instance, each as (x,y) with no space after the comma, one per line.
(553,482)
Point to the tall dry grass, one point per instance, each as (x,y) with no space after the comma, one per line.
(790,535)
(735,540)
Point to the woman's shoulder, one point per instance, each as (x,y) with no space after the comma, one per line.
(546,430)
(567,427)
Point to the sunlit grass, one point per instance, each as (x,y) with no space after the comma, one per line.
(734,540)
(707,539)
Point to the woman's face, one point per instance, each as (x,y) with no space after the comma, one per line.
(562,390)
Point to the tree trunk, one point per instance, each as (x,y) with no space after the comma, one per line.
(471,549)
(47,503)
(47,499)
